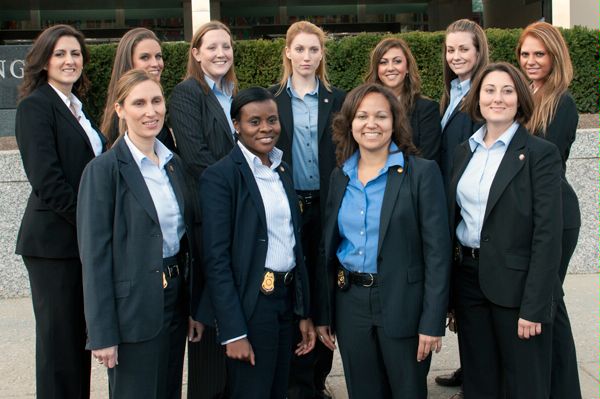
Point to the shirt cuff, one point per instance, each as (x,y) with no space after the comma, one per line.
(234,339)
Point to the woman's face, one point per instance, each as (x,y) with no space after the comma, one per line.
(65,64)
(498,101)
(215,54)
(461,54)
(147,55)
(143,110)
(305,53)
(258,127)
(392,69)
(535,60)
(373,123)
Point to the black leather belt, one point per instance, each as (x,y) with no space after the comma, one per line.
(468,252)
(308,197)
(363,279)
(171,267)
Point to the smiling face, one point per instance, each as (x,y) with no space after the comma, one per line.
(373,123)
(147,55)
(498,100)
(65,64)
(144,111)
(392,69)
(461,54)
(258,128)
(215,54)
(535,60)
(305,53)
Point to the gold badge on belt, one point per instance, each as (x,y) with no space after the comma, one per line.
(341,279)
(268,283)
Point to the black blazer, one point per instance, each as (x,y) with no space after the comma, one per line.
(235,240)
(54,149)
(458,129)
(561,132)
(521,234)
(426,127)
(121,243)
(330,102)
(413,260)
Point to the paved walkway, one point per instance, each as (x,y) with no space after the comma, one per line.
(17,341)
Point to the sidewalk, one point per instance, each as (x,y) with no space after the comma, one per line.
(17,342)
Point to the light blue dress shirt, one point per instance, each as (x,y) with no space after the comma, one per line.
(305,144)
(359,214)
(163,196)
(224,97)
(458,90)
(474,185)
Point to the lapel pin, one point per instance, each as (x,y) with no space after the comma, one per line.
(400,170)
(281,168)
(521,157)
(326,100)
(171,168)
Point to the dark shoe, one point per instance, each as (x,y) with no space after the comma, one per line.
(458,395)
(450,380)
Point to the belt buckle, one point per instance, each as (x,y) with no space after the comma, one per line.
(172,268)
(371,282)
(287,278)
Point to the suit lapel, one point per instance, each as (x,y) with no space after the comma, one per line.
(510,165)
(177,184)
(395,178)
(286,117)
(215,109)
(290,192)
(240,160)
(134,179)
(337,189)
(454,113)
(325,104)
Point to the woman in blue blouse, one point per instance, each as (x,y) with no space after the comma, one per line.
(386,255)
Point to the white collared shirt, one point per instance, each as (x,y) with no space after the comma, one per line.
(163,196)
(91,133)
(458,90)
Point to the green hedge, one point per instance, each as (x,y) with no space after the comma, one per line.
(258,62)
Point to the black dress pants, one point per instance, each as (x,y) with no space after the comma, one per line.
(565,375)
(309,372)
(61,362)
(493,358)
(376,366)
(270,335)
(153,369)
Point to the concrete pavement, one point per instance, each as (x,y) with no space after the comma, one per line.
(17,343)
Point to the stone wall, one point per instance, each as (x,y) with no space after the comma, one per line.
(14,189)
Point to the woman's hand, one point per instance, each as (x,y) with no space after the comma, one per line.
(107,356)
(428,344)
(326,337)
(195,330)
(309,337)
(527,329)
(240,350)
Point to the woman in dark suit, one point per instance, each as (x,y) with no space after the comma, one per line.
(134,230)
(139,48)
(255,271)
(504,201)
(544,57)
(56,140)
(393,65)
(464,55)
(307,101)
(199,115)
(385,267)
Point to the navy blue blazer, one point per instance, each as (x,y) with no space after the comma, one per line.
(235,239)
(120,243)
(413,255)
(425,123)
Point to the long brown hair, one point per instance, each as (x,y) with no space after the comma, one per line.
(342,122)
(481,45)
(123,63)
(35,74)
(194,70)
(293,31)
(524,99)
(411,85)
(546,98)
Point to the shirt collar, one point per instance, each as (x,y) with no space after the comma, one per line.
(395,158)
(227,86)
(163,153)
(275,157)
(292,93)
(477,138)
(461,87)
(71,98)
